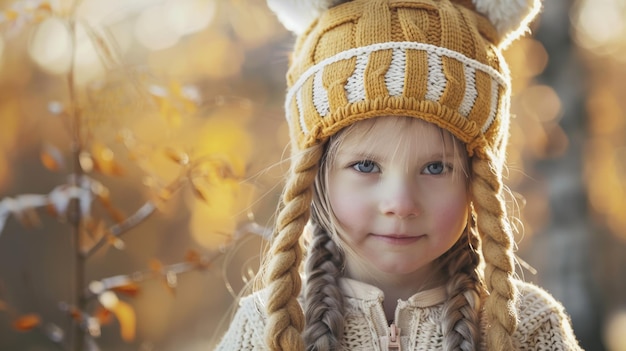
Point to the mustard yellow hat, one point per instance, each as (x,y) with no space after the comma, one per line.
(431,59)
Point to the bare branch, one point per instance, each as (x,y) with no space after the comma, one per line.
(117,230)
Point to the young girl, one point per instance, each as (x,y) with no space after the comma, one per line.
(398,112)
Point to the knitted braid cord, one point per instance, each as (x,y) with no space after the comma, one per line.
(286,319)
(495,232)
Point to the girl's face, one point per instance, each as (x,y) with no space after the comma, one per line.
(398,188)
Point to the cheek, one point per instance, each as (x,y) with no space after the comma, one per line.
(451,214)
(348,206)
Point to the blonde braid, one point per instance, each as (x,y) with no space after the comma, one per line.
(493,226)
(323,298)
(286,319)
(465,289)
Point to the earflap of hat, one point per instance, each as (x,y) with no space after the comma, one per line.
(297,15)
(510,17)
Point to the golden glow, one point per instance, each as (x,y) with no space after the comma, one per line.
(614,336)
(50,46)
(1,53)
(151,29)
(600,25)
(162,25)
(189,16)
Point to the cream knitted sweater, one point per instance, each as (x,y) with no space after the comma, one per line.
(543,323)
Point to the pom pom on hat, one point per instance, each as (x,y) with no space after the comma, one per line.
(510,17)
(297,15)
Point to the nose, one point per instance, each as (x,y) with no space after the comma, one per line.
(399,199)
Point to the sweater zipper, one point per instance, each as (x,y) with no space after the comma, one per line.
(394,338)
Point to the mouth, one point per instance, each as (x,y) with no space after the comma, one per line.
(398,239)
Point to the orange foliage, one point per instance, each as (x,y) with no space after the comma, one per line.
(104,160)
(103,316)
(180,157)
(130,289)
(156,266)
(125,315)
(27,322)
(52,158)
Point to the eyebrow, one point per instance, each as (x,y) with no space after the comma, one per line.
(374,156)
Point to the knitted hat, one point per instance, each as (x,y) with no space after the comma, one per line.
(436,60)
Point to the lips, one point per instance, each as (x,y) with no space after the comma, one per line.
(398,239)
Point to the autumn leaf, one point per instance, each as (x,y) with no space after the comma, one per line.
(164,194)
(169,279)
(75,313)
(156,266)
(116,242)
(27,322)
(104,197)
(104,160)
(103,316)
(169,112)
(11,15)
(28,217)
(130,289)
(197,191)
(51,210)
(196,259)
(93,232)
(116,214)
(192,256)
(177,156)
(127,319)
(52,158)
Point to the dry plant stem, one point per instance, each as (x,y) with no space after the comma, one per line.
(134,220)
(76,337)
(180,268)
(117,230)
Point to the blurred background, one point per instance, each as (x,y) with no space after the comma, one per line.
(173,112)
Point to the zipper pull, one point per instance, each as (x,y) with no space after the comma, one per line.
(394,338)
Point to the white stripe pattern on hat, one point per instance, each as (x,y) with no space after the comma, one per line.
(470,91)
(320,96)
(436,78)
(355,86)
(494,106)
(299,98)
(394,78)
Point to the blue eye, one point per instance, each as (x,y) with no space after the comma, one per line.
(435,168)
(366,166)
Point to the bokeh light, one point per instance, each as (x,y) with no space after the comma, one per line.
(162,25)
(51,46)
(614,335)
(1,53)
(600,26)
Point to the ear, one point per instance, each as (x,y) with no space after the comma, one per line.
(510,17)
(297,15)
